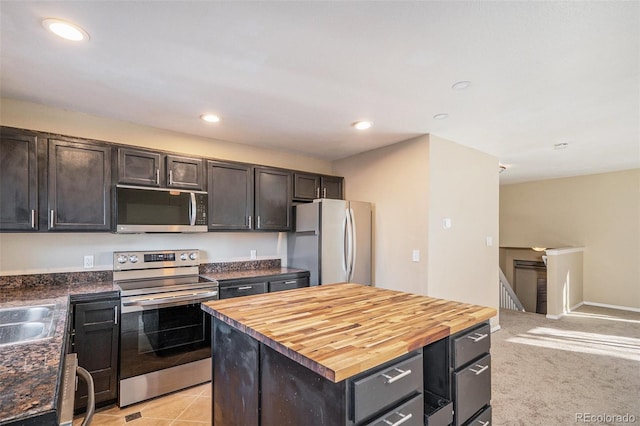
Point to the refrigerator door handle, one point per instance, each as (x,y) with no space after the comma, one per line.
(345,245)
(348,245)
(353,244)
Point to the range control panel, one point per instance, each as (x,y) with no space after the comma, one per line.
(130,260)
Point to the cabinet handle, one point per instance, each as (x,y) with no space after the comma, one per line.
(402,374)
(33,219)
(170,177)
(483,368)
(52,218)
(324,192)
(290,282)
(115,315)
(249,222)
(487,423)
(318,192)
(258,224)
(245,287)
(405,417)
(158,177)
(477,337)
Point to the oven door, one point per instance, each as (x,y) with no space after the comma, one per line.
(163,331)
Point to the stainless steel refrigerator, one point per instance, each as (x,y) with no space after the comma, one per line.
(332,239)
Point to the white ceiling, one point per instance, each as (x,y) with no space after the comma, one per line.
(294,75)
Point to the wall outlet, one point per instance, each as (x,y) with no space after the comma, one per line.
(446,223)
(489,241)
(415,255)
(253,254)
(88,261)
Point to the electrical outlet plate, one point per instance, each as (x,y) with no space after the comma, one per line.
(88,261)
(253,254)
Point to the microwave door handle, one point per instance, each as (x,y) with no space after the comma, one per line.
(192,209)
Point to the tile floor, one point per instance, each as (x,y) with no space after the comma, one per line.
(189,407)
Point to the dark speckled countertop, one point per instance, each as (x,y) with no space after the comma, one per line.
(29,371)
(253,273)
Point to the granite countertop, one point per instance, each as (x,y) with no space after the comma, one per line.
(340,330)
(251,273)
(29,371)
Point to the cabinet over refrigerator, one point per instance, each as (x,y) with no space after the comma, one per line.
(332,239)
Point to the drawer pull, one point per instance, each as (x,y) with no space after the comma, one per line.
(487,423)
(245,287)
(483,368)
(402,374)
(290,282)
(477,337)
(405,417)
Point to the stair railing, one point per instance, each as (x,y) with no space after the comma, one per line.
(508,298)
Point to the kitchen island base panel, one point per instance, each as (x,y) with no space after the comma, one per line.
(235,399)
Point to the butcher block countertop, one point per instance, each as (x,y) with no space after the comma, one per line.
(340,330)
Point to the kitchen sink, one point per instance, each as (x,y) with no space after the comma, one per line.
(26,324)
(26,314)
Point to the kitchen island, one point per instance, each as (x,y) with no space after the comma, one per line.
(344,354)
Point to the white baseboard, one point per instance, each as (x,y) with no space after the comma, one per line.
(496,328)
(605,305)
(573,308)
(554,317)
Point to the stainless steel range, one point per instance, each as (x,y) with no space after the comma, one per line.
(165,338)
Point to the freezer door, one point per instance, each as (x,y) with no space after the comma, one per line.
(333,226)
(362,242)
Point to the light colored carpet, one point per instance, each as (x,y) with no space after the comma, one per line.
(583,368)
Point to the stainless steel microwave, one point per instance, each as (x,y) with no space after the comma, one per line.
(159,210)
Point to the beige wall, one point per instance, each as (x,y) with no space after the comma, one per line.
(49,252)
(564,281)
(598,212)
(413,185)
(464,188)
(395,180)
(33,116)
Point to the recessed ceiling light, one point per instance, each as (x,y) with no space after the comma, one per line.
(210,118)
(461,85)
(64,29)
(362,125)
(561,145)
(441,116)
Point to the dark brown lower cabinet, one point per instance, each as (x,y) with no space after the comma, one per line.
(95,337)
(447,382)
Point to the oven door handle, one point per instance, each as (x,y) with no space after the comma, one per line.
(166,300)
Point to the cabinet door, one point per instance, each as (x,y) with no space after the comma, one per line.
(272,199)
(306,186)
(332,187)
(242,290)
(230,189)
(79,186)
(18,182)
(183,172)
(96,343)
(138,167)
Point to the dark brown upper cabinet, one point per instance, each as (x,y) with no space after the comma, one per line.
(230,189)
(273,193)
(79,186)
(137,167)
(149,168)
(309,186)
(18,181)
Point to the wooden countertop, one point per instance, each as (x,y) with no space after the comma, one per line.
(340,330)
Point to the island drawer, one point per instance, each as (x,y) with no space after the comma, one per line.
(386,387)
(288,284)
(242,290)
(472,388)
(470,345)
(407,414)
(483,418)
